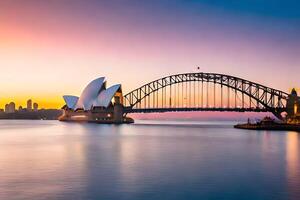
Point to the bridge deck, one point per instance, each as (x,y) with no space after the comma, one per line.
(159,110)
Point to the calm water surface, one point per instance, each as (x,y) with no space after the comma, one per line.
(55,160)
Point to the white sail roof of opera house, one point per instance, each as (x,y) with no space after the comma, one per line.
(105,96)
(93,95)
(71,100)
(90,93)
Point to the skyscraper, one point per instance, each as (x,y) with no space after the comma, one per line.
(35,106)
(11,107)
(29,105)
(6,108)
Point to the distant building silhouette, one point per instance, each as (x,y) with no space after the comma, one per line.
(20,108)
(6,109)
(29,105)
(10,108)
(35,107)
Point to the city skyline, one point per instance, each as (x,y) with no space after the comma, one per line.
(11,106)
(46,53)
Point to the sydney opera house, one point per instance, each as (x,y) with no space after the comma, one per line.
(96,104)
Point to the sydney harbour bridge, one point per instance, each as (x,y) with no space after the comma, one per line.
(178,93)
(205,92)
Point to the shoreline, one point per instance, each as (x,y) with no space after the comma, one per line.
(273,127)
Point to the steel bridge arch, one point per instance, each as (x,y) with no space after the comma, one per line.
(271,99)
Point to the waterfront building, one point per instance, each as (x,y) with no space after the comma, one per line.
(20,108)
(29,105)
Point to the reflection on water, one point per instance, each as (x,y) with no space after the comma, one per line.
(293,163)
(54,160)
(36,159)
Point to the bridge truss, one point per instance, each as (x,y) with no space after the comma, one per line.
(205,92)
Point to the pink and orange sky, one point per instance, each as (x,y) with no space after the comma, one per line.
(55,47)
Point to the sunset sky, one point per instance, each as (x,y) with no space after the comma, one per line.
(54,47)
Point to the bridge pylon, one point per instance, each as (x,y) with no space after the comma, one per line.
(293,107)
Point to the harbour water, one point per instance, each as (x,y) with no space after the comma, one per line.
(146,160)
